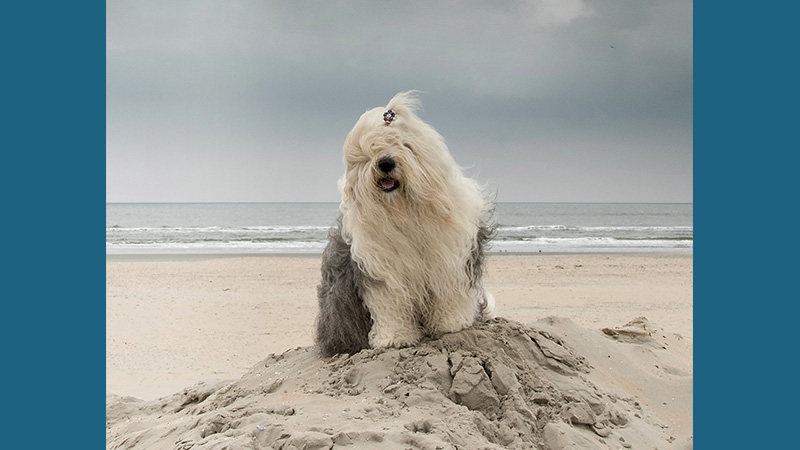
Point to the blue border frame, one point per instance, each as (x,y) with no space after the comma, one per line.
(746,198)
(54,183)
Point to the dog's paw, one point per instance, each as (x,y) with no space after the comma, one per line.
(392,343)
(437,329)
(394,338)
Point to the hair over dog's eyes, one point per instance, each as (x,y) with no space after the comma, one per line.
(408,146)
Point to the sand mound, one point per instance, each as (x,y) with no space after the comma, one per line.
(548,385)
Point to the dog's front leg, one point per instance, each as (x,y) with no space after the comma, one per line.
(394,318)
(449,314)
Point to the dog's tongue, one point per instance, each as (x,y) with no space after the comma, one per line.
(387,183)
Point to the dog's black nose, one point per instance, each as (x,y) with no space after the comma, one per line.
(386,164)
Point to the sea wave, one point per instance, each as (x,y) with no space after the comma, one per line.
(503,228)
(116,229)
(528,245)
(590,244)
(216,247)
(295,228)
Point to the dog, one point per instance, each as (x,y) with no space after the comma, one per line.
(407,256)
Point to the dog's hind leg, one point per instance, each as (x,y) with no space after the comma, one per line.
(343,321)
(483,299)
(485,306)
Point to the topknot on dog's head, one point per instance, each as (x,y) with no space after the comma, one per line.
(399,115)
(404,104)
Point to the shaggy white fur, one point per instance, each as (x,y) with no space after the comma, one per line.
(413,228)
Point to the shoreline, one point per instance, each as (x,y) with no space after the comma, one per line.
(207,256)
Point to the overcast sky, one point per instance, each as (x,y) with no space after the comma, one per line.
(542,100)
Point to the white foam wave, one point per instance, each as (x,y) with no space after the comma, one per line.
(599,228)
(266,229)
(217,247)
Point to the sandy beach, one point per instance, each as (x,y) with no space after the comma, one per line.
(175,321)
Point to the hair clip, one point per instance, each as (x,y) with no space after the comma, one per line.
(388,116)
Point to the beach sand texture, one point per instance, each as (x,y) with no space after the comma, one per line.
(205,352)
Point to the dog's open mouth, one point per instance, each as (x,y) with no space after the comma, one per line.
(388,184)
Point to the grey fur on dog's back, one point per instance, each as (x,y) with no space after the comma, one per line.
(343,322)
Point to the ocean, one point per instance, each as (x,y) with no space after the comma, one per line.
(299,228)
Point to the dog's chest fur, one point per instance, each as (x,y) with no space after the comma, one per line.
(416,250)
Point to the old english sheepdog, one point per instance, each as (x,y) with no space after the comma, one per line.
(407,257)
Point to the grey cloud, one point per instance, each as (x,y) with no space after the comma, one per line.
(266,83)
